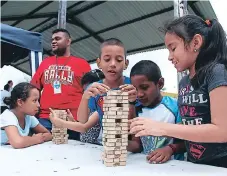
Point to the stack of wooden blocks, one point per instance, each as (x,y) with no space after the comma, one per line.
(115,128)
(60,135)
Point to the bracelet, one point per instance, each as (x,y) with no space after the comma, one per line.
(173,147)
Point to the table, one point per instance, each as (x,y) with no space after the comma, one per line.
(78,159)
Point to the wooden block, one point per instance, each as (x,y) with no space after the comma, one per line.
(123,159)
(122,163)
(124,140)
(110,113)
(124,135)
(125,128)
(112,124)
(117,152)
(116,160)
(107,105)
(109,152)
(110,97)
(111,136)
(113,128)
(113,140)
(116,132)
(118,144)
(108,160)
(123,113)
(124,151)
(125,97)
(109,144)
(108,164)
(115,148)
(119,97)
(117,92)
(118,109)
(59,129)
(116,101)
(124,144)
(110,156)
(117,117)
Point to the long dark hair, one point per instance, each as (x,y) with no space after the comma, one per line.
(214,48)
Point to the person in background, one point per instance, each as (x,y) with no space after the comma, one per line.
(10,83)
(59,79)
(4,95)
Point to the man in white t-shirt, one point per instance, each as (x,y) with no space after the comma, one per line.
(4,94)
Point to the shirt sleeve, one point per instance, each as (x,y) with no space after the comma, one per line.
(8,119)
(36,79)
(178,118)
(217,77)
(92,104)
(34,121)
(86,67)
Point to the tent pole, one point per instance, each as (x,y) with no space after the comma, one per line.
(62,12)
(180,9)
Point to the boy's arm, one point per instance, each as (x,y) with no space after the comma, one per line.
(83,110)
(132,111)
(36,79)
(178,147)
(135,145)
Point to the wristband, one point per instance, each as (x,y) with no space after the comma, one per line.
(174,149)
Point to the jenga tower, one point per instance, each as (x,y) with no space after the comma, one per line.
(115,128)
(60,135)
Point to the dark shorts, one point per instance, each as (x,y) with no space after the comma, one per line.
(48,125)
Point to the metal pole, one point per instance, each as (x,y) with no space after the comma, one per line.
(180,9)
(62,12)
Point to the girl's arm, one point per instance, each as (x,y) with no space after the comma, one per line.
(76,126)
(80,127)
(41,129)
(213,133)
(17,141)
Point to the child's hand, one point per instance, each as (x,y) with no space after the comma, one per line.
(132,92)
(95,89)
(39,138)
(70,116)
(55,120)
(142,126)
(160,155)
